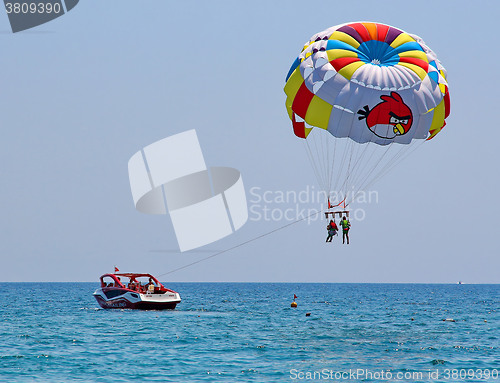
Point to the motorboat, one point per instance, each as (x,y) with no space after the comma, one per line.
(134,291)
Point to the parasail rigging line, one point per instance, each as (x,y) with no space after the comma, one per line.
(322,180)
(350,173)
(313,164)
(363,175)
(360,172)
(332,163)
(391,164)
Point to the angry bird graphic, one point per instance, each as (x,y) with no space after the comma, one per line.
(389,118)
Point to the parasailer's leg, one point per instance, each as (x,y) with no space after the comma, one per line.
(345,234)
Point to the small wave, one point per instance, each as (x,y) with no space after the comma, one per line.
(435,362)
(249,371)
(11,356)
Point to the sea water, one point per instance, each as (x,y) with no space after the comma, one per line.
(247,332)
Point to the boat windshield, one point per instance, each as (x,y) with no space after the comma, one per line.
(108,281)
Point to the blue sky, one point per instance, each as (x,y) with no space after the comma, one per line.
(81,94)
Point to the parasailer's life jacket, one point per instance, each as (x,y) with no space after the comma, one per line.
(345,225)
(332,227)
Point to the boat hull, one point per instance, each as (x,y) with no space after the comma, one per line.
(126,299)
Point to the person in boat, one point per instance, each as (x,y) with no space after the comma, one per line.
(150,286)
(132,285)
(139,288)
(117,284)
(332,230)
(346,225)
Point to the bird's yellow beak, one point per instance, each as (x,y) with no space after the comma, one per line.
(398,129)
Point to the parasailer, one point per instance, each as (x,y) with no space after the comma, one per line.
(332,229)
(346,225)
(361,95)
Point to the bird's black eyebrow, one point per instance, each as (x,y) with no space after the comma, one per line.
(401,118)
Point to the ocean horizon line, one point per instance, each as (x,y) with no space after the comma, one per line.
(288,282)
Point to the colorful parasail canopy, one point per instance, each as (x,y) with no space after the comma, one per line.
(369,83)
